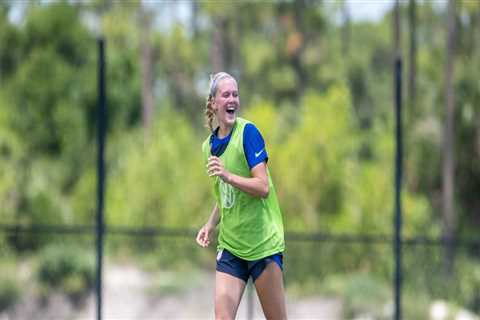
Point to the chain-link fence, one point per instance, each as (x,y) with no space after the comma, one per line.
(161,273)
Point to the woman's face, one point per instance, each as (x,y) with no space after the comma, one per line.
(226,102)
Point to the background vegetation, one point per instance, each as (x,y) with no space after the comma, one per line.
(318,84)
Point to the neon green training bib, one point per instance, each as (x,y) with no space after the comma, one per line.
(250,227)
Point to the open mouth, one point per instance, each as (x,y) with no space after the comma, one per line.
(231,110)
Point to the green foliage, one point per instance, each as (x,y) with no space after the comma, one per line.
(9,287)
(66,268)
(322,126)
(161,182)
(363,295)
(346,122)
(320,91)
(122,67)
(258,54)
(11,153)
(45,106)
(313,191)
(366,296)
(58,27)
(56,48)
(10,58)
(83,198)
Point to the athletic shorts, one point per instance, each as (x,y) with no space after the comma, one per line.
(243,269)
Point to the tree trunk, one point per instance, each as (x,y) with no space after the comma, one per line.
(299,9)
(217,51)
(346,30)
(476,34)
(412,86)
(448,165)
(396,29)
(194,23)
(146,71)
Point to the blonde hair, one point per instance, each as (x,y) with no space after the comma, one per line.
(209,112)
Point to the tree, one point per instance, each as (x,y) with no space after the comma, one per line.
(412,70)
(146,69)
(397,34)
(346,29)
(45,103)
(448,151)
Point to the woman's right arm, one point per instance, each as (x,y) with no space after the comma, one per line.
(203,236)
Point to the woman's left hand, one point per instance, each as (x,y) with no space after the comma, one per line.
(215,168)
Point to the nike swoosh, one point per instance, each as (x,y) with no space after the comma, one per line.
(259,153)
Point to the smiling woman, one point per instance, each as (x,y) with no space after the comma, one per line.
(225,101)
(226,97)
(251,239)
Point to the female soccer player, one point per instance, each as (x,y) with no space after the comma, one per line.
(251,239)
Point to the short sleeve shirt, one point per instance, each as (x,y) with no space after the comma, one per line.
(253,145)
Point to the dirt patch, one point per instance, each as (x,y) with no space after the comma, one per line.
(131,293)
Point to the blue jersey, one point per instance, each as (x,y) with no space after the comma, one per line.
(253,145)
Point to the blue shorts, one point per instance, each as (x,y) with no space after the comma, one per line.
(243,269)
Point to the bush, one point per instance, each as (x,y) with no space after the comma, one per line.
(66,268)
(363,295)
(9,290)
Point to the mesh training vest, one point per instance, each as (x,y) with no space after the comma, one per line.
(250,227)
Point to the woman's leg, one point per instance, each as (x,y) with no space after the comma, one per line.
(269,286)
(228,292)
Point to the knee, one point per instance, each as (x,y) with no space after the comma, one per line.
(219,315)
(224,309)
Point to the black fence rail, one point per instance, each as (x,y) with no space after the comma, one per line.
(472,242)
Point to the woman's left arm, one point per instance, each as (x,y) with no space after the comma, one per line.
(256,185)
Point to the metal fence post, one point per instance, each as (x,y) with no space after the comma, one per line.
(101,129)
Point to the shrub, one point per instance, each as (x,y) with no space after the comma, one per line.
(363,295)
(367,296)
(9,290)
(66,268)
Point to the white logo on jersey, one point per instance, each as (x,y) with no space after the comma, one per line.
(259,153)
(227,194)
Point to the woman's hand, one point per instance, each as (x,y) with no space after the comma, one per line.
(256,185)
(203,236)
(215,168)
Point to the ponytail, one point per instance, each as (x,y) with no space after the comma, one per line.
(209,114)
